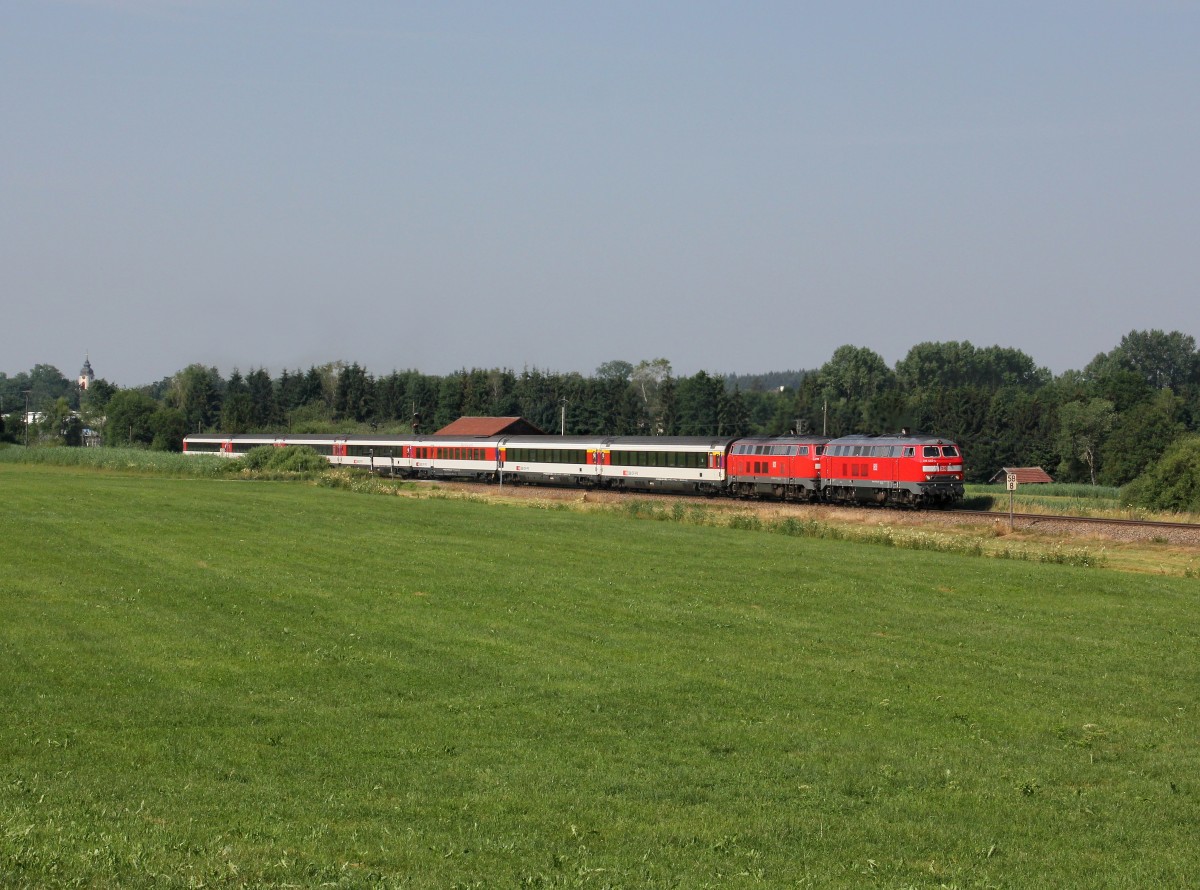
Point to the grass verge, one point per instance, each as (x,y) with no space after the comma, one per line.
(264,685)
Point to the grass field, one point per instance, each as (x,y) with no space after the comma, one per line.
(214,683)
(1064,499)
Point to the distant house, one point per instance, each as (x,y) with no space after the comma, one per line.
(1025,475)
(490,426)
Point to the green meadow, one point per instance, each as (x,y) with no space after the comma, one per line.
(212,682)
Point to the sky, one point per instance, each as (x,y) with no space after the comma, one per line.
(738,187)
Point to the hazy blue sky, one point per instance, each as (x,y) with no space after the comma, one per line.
(734,186)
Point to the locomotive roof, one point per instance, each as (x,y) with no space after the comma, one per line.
(917,439)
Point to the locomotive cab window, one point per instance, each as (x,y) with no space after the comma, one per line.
(929,451)
(949,451)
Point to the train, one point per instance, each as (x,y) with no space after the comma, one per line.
(907,470)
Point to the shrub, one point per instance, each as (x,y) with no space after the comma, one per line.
(1173,483)
(268,459)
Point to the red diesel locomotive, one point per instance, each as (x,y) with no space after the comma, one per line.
(900,470)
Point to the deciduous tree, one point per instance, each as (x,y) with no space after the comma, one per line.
(1083,427)
(129,419)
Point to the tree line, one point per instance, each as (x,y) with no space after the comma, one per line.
(1105,424)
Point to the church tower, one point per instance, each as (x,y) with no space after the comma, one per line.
(85,373)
